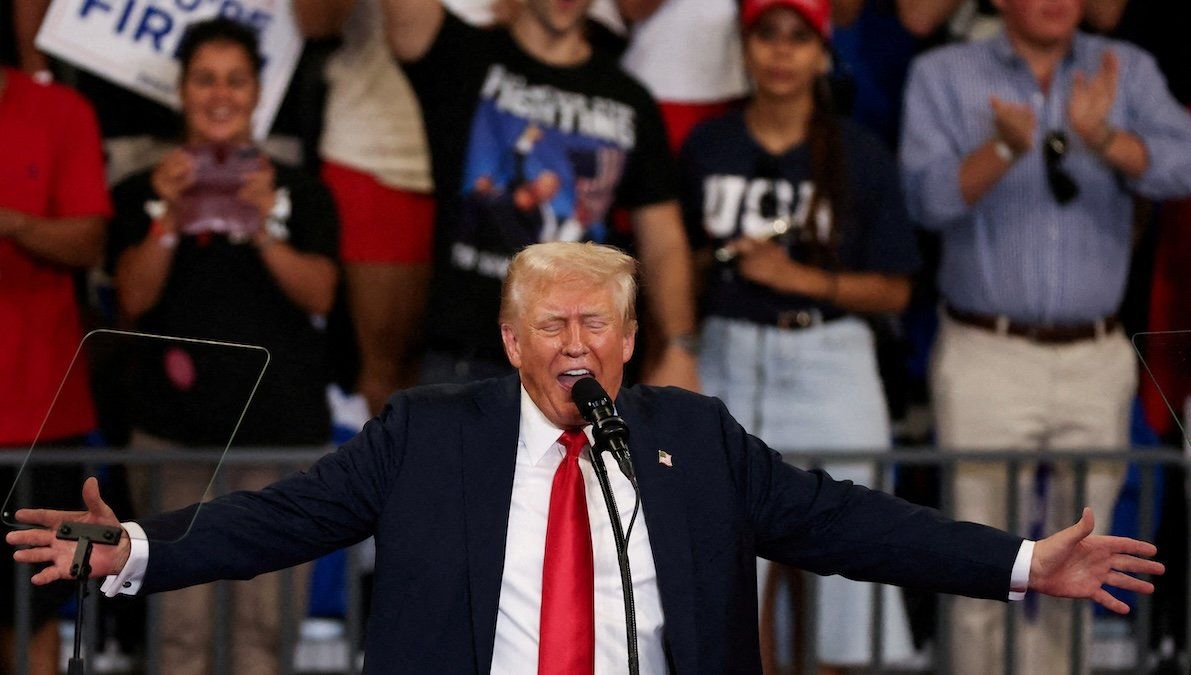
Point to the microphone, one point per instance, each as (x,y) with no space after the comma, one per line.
(609,430)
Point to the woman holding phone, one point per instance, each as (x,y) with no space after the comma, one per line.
(218,243)
(804,216)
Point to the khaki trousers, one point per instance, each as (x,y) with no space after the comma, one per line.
(998,392)
(188,615)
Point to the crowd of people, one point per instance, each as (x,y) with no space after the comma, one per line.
(838,207)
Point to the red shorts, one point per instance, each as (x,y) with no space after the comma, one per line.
(680,118)
(378,223)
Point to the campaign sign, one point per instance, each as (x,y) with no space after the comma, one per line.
(133,42)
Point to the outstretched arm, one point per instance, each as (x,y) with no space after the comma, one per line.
(1074,563)
(45,547)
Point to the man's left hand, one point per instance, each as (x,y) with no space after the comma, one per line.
(1074,563)
(1091,100)
(44,546)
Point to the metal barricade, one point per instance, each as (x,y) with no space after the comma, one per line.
(884,462)
(1148,461)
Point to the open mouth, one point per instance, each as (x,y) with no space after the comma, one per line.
(220,115)
(568,378)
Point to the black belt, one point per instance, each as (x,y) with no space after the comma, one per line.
(1044,334)
(798,319)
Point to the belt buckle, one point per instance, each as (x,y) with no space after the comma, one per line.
(1002,324)
(1100,328)
(797,319)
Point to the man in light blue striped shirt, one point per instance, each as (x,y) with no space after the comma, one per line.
(1023,152)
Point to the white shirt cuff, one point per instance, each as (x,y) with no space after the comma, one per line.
(1019,580)
(128,581)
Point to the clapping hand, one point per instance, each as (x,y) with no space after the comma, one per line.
(1015,124)
(1074,563)
(1091,100)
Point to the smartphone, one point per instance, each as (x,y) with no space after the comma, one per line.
(211,204)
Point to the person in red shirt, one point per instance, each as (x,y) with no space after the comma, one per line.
(53,206)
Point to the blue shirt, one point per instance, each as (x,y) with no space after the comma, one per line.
(1017,251)
(875,52)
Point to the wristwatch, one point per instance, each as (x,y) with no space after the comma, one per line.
(1004,151)
(155,208)
(275,222)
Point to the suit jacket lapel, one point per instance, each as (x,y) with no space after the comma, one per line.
(665,516)
(489,457)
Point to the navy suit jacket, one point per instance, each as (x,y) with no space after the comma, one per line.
(432,479)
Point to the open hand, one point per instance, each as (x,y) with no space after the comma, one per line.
(1091,100)
(1074,563)
(45,547)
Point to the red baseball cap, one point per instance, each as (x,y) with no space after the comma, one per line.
(816,13)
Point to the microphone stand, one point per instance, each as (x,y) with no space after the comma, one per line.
(622,557)
(87,535)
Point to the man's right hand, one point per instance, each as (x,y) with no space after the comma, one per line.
(1015,124)
(45,547)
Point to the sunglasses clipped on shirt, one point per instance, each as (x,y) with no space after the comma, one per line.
(1062,185)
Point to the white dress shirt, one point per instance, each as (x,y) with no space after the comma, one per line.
(516,650)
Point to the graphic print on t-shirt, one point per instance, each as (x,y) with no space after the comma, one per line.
(542,165)
(738,206)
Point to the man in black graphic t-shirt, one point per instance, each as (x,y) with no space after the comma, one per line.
(535,136)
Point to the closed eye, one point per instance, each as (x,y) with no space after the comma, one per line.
(550,327)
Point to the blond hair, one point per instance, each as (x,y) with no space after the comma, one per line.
(538,266)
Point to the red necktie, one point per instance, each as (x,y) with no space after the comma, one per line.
(568,577)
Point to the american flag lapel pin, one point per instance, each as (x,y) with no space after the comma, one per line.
(665,459)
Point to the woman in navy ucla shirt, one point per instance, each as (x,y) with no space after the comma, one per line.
(802,215)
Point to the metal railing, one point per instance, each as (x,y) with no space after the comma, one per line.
(884,462)
(1149,462)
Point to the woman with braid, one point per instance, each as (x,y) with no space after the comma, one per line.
(802,213)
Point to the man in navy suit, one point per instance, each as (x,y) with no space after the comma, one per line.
(454,482)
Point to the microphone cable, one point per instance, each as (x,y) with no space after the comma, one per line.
(622,555)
